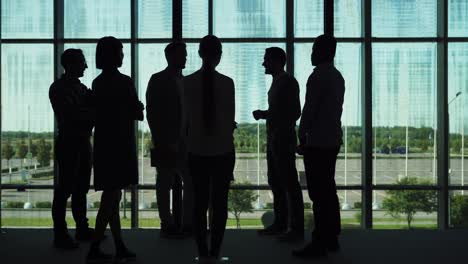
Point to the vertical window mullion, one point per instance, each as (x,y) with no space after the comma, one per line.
(366,101)
(134,74)
(290,36)
(177,19)
(328,17)
(210,17)
(442,116)
(58,50)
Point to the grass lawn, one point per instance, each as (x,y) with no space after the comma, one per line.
(246,223)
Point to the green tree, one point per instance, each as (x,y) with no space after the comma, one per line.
(240,201)
(33,148)
(21,150)
(424,145)
(456,145)
(408,202)
(459,211)
(148,146)
(8,152)
(44,152)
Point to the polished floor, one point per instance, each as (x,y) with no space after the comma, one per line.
(245,247)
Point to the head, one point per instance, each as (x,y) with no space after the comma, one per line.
(176,54)
(74,62)
(109,53)
(274,60)
(323,50)
(210,51)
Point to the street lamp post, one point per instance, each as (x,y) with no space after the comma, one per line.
(448,120)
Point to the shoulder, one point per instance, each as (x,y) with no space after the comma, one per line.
(191,76)
(159,75)
(125,78)
(224,79)
(290,79)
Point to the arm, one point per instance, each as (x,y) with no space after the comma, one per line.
(311,107)
(63,104)
(160,112)
(137,107)
(232,105)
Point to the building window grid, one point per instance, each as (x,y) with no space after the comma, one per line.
(289,41)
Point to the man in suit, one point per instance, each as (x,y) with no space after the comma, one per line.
(164,100)
(320,138)
(284,110)
(72,105)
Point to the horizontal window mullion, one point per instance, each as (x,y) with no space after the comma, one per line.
(28,41)
(405,187)
(399,39)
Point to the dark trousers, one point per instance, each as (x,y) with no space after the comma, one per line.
(211,178)
(288,203)
(167,179)
(74,159)
(319,166)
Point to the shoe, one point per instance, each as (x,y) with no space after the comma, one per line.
(65,241)
(291,236)
(270,231)
(125,255)
(312,250)
(333,245)
(97,256)
(84,234)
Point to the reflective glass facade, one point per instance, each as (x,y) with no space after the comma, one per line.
(402,51)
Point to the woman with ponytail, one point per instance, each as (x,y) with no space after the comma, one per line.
(210,111)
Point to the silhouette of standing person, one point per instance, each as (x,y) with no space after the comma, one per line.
(115,159)
(284,110)
(320,138)
(164,98)
(210,109)
(72,105)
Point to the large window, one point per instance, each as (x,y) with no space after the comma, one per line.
(400,61)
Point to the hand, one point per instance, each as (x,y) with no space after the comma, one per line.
(258,114)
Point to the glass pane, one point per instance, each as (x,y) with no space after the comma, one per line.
(308,18)
(28,208)
(347,18)
(96,19)
(89,51)
(148,216)
(391,209)
(27,18)
(31,208)
(348,62)
(27,117)
(249,18)
(458,111)
(155,18)
(152,60)
(262,206)
(459,209)
(404,112)
(194,18)
(243,63)
(457,18)
(404,18)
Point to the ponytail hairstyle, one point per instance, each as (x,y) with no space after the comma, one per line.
(210,51)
